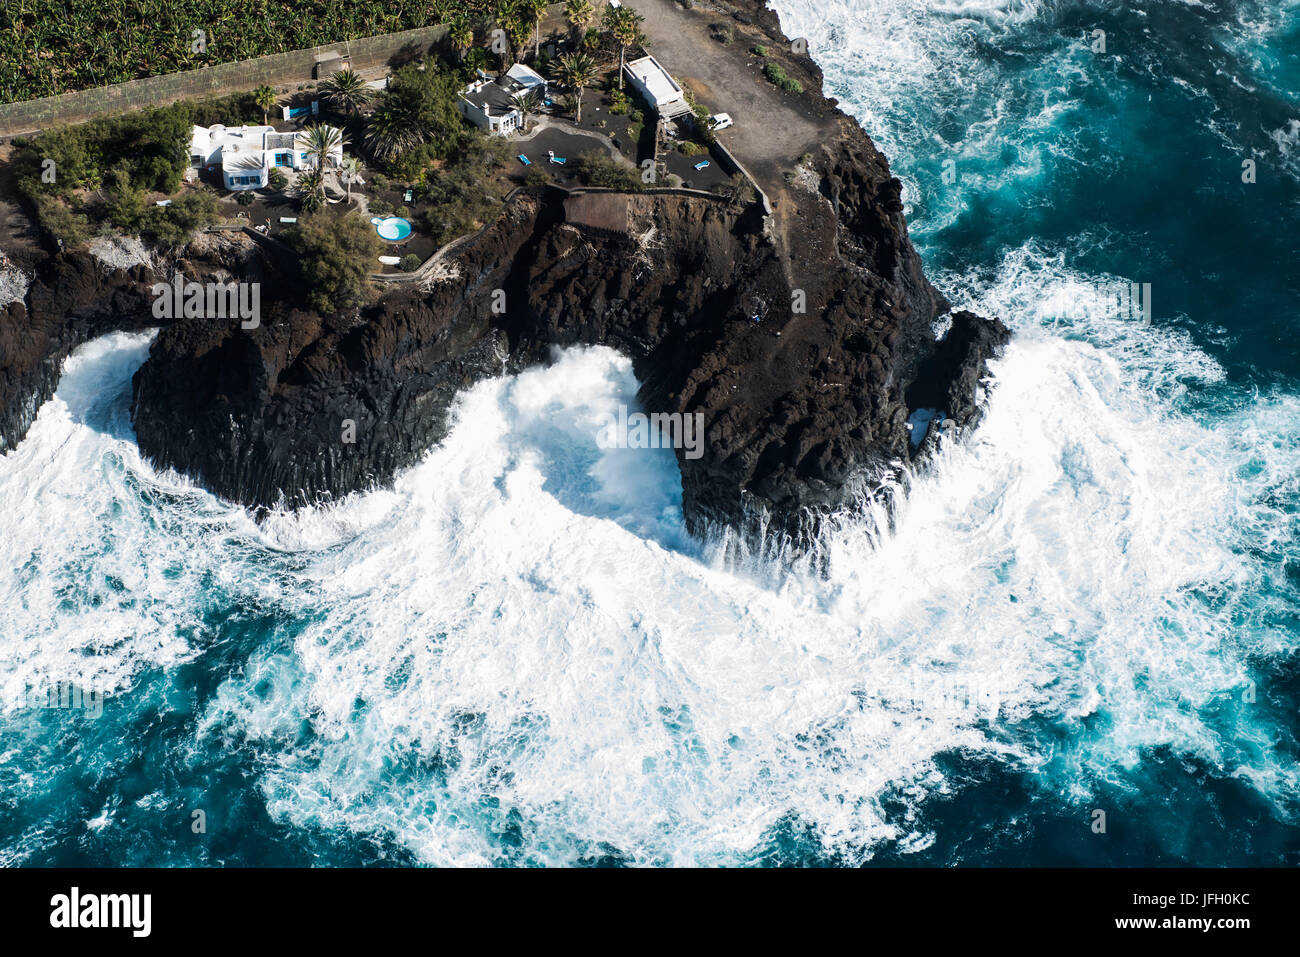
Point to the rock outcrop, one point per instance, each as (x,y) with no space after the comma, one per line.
(804,338)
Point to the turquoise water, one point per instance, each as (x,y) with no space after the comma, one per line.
(393,228)
(516,655)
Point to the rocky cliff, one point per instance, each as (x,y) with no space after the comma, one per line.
(804,338)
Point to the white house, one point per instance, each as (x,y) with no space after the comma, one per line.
(247,154)
(492,104)
(657,86)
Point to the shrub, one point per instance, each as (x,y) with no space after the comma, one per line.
(410,263)
(601,169)
(722,32)
(381,207)
(337,251)
(690,148)
(175,224)
(738,190)
(244,198)
(460,197)
(536,176)
(759,50)
(776,75)
(65,226)
(276,179)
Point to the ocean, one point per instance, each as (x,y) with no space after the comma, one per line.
(1075,643)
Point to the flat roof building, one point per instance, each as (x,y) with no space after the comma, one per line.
(657,86)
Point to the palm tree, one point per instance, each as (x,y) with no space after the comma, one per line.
(321,142)
(576,71)
(579,14)
(511,19)
(350,170)
(624,24)
(534,10)
(345,92)
(389,133)
(520,27)
(461,35)
(264,97)
(311,190)
(528,101)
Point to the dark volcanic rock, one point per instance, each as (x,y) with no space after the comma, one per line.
(72,299)
(802,337)
(797,406)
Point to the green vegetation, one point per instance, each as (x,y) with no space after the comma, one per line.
(466,192)
(416,121)
(601,169)
(777,75)
(54,46)
(577,71)
(131,214)
(722,32)
(624,27)
(311,190)
(410,263)
(618,102)
(579,14)
(337,251)
(345,93)
(265,98)
(81,178)
(759,50)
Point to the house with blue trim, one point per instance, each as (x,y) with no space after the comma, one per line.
(247,154)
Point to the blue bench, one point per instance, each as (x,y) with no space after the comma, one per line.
(703,164)
(524,159)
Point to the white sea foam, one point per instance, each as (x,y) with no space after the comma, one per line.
(516,650)
(519,635)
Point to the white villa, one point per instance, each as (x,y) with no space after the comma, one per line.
(491,104)
(247,154)
(657,86)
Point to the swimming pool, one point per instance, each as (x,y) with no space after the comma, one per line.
(392,228)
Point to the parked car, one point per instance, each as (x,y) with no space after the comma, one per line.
(720,121)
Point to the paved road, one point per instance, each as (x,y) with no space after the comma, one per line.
(773,128)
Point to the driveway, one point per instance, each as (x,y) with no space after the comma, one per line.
(773,128)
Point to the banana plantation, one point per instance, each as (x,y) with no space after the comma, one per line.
(56,46)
